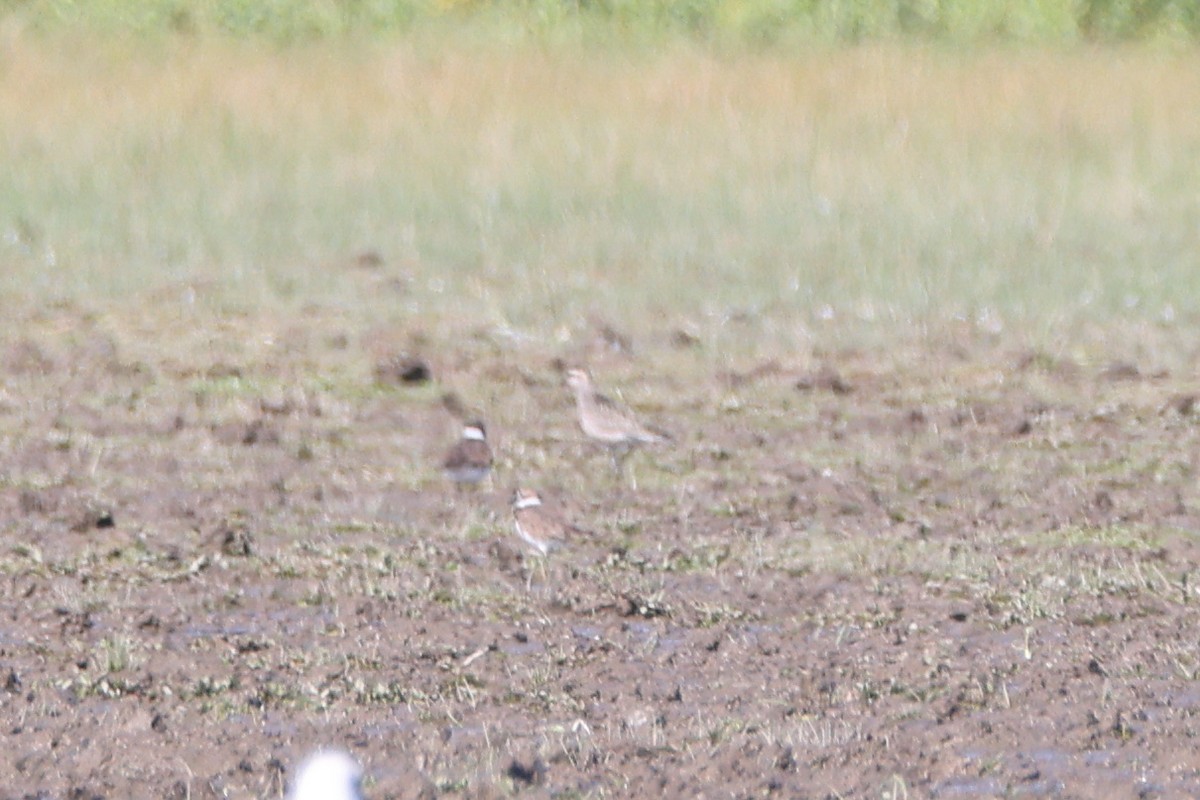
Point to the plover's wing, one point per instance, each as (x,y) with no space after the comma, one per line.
(455,458)
(604,401)
(541,529)
(655,435)
(625,425)
(468,453)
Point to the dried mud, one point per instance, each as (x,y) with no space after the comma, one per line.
(952,569)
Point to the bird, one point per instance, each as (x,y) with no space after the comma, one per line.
(537,527)
(469,461)
(602,421)
(328,775)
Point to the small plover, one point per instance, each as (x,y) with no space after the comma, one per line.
(536,526)
(602,421)
(470,460)
(328,775)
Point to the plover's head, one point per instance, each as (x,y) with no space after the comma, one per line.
(525,498)
(475,430)
(578,379)
(328,775)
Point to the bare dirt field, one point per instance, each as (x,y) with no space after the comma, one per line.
(948,565)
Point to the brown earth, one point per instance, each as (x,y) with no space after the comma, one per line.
(953,567)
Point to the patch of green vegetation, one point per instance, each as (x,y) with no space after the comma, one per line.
(700,559)
(106,686)
(223,386)
(116,654)
(1120,536)
(390,693)
(748,22)
(452,785)
(722,730)
(210,686)
(710,615)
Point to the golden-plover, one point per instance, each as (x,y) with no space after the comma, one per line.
(602,421)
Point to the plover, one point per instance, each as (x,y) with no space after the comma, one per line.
(470,460)
(536,526)
(602,421)
(328,775)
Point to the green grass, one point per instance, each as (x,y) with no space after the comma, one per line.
(743,22)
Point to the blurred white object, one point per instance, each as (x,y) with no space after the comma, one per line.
(328,775)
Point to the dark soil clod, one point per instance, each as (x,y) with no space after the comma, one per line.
(402,369)
(825,379)
(528,775)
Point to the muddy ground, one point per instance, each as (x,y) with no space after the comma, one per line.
(955,566)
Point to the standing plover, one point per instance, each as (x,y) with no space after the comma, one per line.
(470,460)
(328,775)
(536,526)
(602,421)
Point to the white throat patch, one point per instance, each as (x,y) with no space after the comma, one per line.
(528,502)
(471,432)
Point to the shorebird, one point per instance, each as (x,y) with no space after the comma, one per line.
(536,526)
(470,460)
(328,775)
(544,532)
(602,421)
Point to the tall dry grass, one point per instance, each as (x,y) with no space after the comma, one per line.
(532,185)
